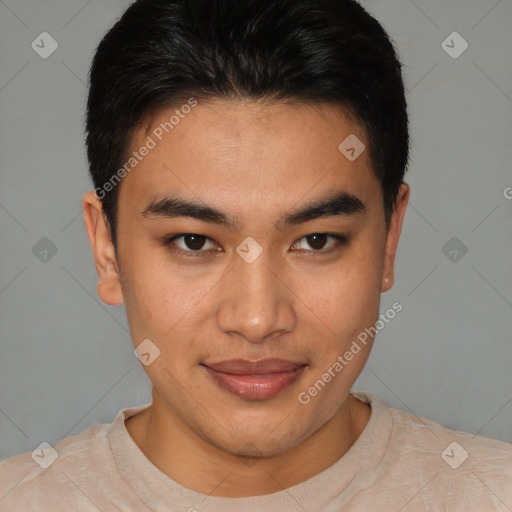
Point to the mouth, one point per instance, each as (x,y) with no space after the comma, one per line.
(255,380)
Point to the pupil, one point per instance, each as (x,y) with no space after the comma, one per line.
(194,242)
(317,241)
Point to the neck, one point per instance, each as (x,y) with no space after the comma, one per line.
(204,468)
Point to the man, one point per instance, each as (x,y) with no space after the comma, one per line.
(248,161)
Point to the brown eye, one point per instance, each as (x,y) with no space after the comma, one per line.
(317,241)
(194,242)
(321,243)
(191,243)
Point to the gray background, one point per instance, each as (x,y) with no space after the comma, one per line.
(66,358)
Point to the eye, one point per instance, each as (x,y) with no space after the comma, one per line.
(319,241)
(191,243)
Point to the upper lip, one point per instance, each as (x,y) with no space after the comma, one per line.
(261,367)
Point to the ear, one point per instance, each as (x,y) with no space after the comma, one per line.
(98,231)
(394,230)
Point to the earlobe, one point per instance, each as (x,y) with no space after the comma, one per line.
(98,232)
(393,236)
(387,283)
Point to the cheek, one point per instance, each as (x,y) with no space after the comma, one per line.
(160,298)
(151,294)
(347,295)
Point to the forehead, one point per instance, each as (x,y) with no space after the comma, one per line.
(259,154)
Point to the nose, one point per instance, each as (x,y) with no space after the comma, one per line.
(255,302)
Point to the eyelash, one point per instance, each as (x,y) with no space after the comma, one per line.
(341,241)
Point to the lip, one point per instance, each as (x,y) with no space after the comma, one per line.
(255,380)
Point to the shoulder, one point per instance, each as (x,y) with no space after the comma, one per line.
(419,431)
(51,473)
(466,469)
(424,465)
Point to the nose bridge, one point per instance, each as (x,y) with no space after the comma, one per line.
(255,303)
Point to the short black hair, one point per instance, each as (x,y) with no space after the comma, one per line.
(161,53)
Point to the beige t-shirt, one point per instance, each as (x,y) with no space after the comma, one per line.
(399,463)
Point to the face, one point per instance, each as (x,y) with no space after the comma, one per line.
(252,253)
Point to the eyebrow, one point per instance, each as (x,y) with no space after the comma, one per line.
(333,205)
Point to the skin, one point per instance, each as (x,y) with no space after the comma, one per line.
(255,163)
